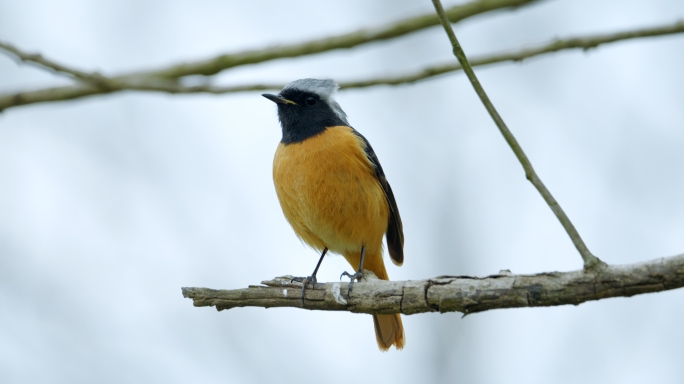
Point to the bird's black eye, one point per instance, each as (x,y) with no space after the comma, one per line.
(310,100)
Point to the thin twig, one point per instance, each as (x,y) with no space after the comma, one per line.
(455,293)
(174,87)
(578,42)
(94,78)
(222,62)
(348,40)
(165,79)
(590,261)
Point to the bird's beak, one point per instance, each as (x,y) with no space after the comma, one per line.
(278,99)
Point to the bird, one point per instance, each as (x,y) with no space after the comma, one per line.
(333,190)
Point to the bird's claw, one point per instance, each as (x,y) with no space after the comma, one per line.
(357,276)
(305,281)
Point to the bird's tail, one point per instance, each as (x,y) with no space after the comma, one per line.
(388,328)
(389,331)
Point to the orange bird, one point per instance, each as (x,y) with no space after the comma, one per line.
(333,190)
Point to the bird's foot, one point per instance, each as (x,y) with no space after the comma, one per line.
(305,281)
(357,276)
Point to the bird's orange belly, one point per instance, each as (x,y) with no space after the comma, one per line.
(329,192)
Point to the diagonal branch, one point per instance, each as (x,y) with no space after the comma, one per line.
(590,261)
(120,83)
(455,293)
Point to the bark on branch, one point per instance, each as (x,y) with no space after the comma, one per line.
(455,293)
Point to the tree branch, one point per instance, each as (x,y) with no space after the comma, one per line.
(584,43)
(455,293)
(345,41)
(590,261)
(165,79)
(174,87)
(36,58)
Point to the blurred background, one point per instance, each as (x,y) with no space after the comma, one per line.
(110,204)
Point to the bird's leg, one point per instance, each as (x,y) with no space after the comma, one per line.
(310,279)
(359,274)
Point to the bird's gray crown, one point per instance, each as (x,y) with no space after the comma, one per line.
(325,89)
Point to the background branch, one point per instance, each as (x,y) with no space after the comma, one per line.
(345,41)
(36,58)
(165,79)
(95,84)
(455,293)
(579,42)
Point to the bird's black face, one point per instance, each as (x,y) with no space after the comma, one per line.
(303,114)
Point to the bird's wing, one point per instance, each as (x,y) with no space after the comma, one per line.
(395,230)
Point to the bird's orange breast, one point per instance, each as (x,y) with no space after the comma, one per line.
(329,192)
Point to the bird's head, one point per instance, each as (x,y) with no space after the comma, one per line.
(307,107)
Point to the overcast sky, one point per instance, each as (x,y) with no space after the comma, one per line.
(110,204)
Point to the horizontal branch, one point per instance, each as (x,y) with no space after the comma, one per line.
(139,83)
(455,293)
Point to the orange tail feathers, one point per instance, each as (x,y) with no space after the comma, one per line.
(388,328)
(389,331)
